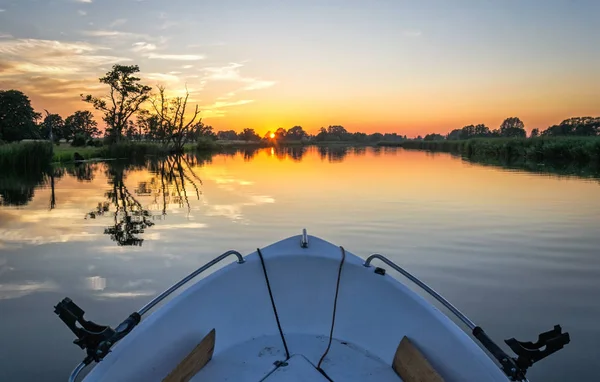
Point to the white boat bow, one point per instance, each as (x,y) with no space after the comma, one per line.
(301,309)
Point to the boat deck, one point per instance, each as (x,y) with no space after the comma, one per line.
(257,360)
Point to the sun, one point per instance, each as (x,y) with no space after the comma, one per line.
(272,135)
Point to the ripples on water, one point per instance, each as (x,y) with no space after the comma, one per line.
(517,251)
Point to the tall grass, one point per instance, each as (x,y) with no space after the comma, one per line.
(575,149)
(128,149)
(25,156)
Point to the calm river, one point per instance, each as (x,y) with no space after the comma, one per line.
(517,252)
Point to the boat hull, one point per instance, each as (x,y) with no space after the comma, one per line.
(373,312)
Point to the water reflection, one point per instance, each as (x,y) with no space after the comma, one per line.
(17,189)
(173,174)
(169,182)
(333,154)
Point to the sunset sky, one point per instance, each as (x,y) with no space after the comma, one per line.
(410,67)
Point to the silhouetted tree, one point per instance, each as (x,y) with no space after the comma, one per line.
(172,116)
(434,137)
(280,134)
(535,133)
(229,135)
(249,135)
(17,117)
(581,126)
(52,127)
(151,127)
(454,134)
(322,135)
(296,133)
(513,127)
(125,98)
(338,133)
(482,130)
(376,137)
(81,122)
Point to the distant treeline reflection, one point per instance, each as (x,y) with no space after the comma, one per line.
(172,181)
(332,153)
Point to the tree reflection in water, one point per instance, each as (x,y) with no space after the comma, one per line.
(171,178)
(333,154)
(169,184)
(130,217)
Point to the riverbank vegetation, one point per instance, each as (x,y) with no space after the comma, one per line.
(578,149)
(138,122)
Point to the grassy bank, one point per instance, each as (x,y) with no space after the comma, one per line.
(555,149)
(64,152)
(25,156)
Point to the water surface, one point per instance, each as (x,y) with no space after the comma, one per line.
(518,252)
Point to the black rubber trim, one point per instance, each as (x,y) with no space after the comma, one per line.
(262,261)
(337,289)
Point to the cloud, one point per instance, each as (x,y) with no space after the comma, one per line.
(84,1)
(108,33)
(258,84)
(162,77)
(82,13)
(49,56)
(117,22)
(10,291)
(210,44)
(175,57)
(222,104)
(143,47)
(232,72)
(133,294)
(412,33)
(187,66)
(2,10)
(3,35)
(53,69)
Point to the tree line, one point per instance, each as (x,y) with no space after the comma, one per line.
(513,127)
(130,110)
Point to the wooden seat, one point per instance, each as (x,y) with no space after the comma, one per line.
(412,366)
(195,361)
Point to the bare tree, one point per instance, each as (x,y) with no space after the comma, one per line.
(172,115)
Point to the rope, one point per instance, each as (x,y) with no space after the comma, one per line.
(262,261)
(337,289)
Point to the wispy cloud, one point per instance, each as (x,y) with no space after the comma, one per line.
(83,1)
(53,69)
(232,72)
(3,35)
(143,47)
(82,12)
(412,33)
(109,33)
(162,78)
(176,57)
(218,43)
(222,104)
(10,291)
(2,10)
(132,294)
(118,22)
